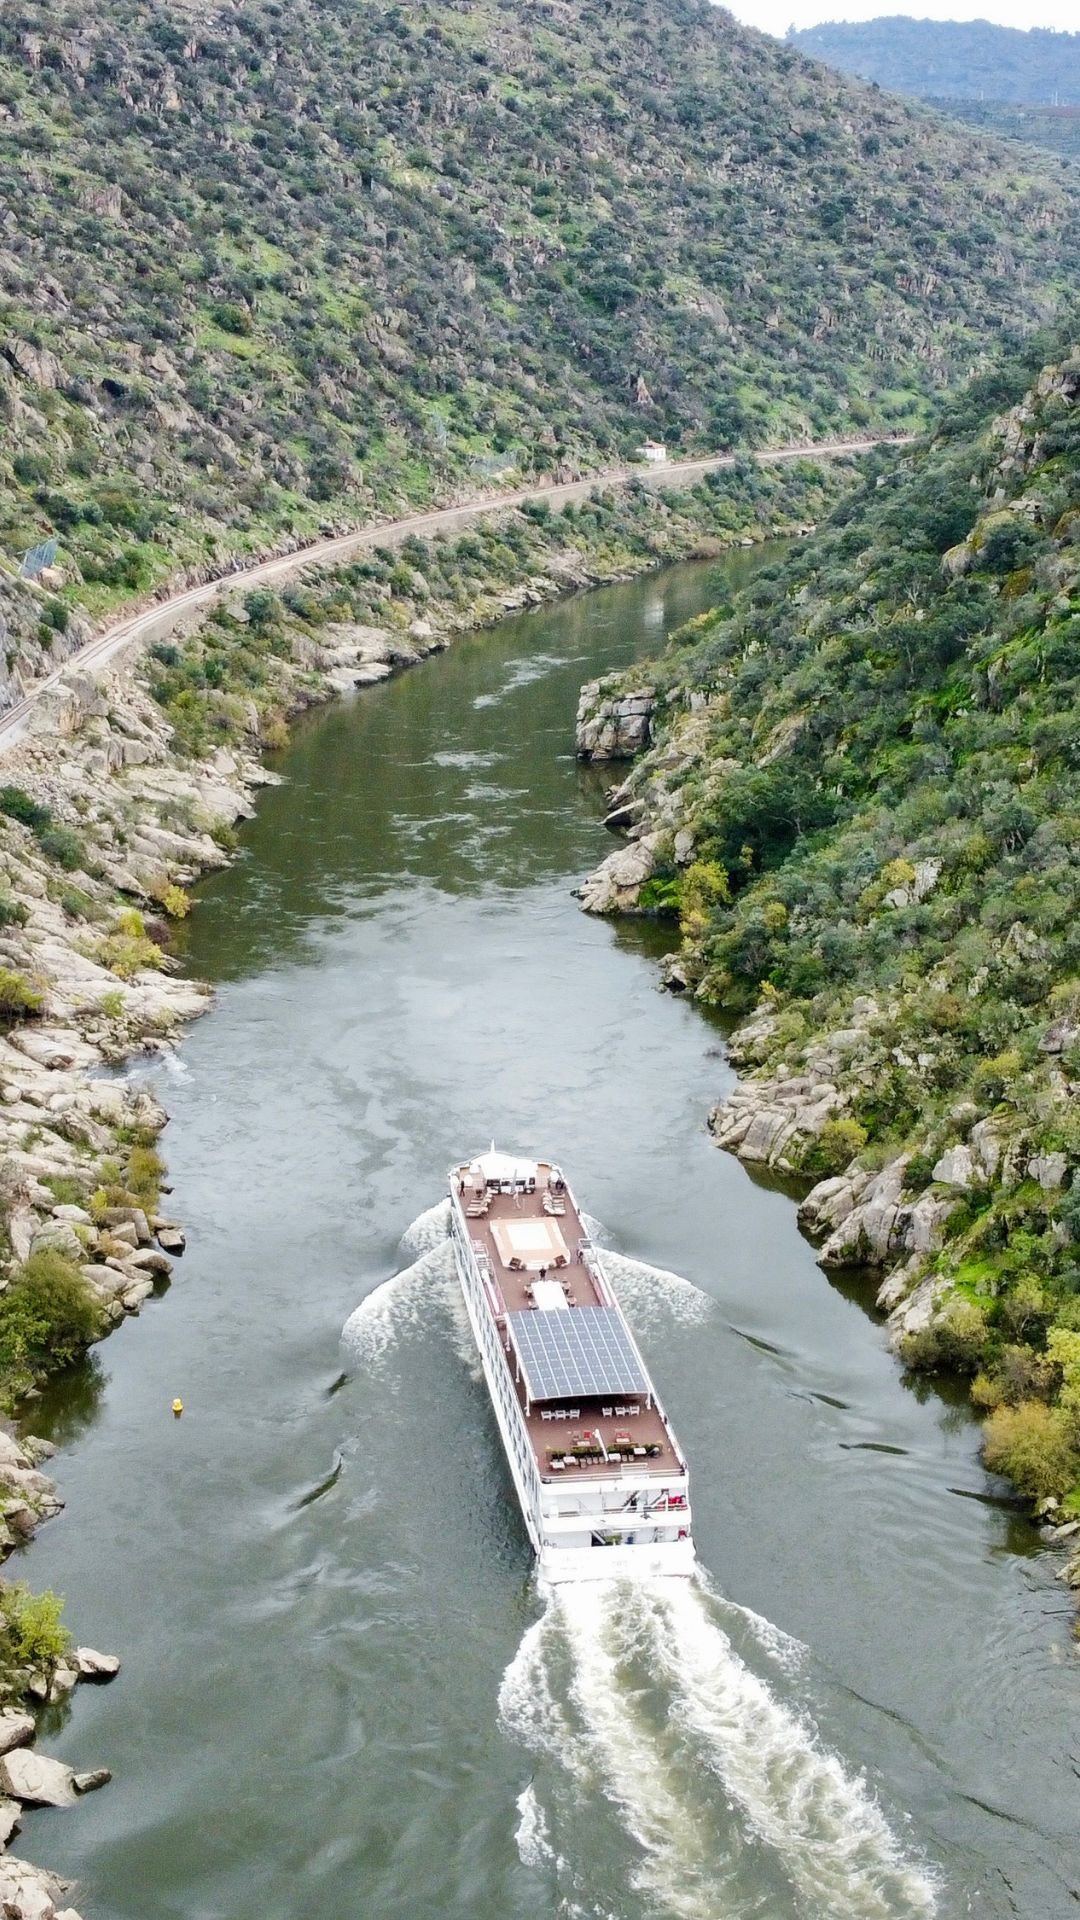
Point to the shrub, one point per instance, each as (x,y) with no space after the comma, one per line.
(835,1147)
(18,995)
(144,1171)
(65,1189)
(48,1316)
(954,1344)
(128,949)
(61,845)
(1034,1446)
(31,1635)
(174,901)
(19,806)
(12,912)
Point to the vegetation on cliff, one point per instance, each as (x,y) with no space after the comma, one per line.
(264,267)
(864,789)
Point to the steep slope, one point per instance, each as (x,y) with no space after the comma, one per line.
(264,266)
(861,801)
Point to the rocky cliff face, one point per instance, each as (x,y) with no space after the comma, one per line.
(38,632)
(613,724)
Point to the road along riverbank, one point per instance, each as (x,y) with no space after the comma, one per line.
(77,645)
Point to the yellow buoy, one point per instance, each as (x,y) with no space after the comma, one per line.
(178,1407)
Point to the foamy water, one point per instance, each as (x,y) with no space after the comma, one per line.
(651,1297)
(635,1697)
(634,1700)
(401,1306)
(427,1231)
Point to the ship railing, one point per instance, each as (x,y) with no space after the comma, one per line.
(623,1477)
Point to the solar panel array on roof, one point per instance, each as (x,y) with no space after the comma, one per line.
(583,1354)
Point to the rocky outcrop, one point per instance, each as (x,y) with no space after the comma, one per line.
(873,1222)
(30,1893)
(774,1122)
(616,884)
(612,725)
(35,1780)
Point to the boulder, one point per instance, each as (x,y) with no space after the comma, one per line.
(11,1453)
(1062,1034)
(22,1226)
(830,1202)
(36,1780)
(90,1782)
(62,1683)
(151,1261)
(899,1283)
(36,364)
(1049,1169)
(618,880)
(610,725)
(57,1237)
(130,1216)
(171,1237)
(10,1815)
(133,1296)
(987,1144)
(73,1216)
(30,1893)
(956,1167)
(16,1729)
(89,1664)
(917,1309)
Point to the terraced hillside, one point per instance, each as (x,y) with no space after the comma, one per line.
(266,266)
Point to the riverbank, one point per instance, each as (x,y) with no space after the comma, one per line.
(853,794)
(99,842)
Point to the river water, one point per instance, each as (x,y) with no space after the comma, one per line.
(343,1694)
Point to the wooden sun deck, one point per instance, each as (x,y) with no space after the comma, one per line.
(646,1429)
(554,1436)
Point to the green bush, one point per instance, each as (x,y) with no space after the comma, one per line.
(1035,1446)
(835,1147)
(145,1170)
(62,845)
(19,806)
(955,1343)
(31,1635)
(18,995)
(128,949)
(48,1316)
(12,912)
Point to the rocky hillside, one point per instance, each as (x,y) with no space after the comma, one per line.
(860,801)
(266,267)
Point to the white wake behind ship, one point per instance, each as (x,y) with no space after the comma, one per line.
(601,1479)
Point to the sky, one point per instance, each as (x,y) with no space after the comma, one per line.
(776,16)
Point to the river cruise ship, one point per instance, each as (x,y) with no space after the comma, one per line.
(601,1479)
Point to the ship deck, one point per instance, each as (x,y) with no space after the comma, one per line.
(629,1425)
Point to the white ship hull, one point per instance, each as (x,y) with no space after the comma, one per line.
(590,1510)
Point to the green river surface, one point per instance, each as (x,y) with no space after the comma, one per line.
(343,1693)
